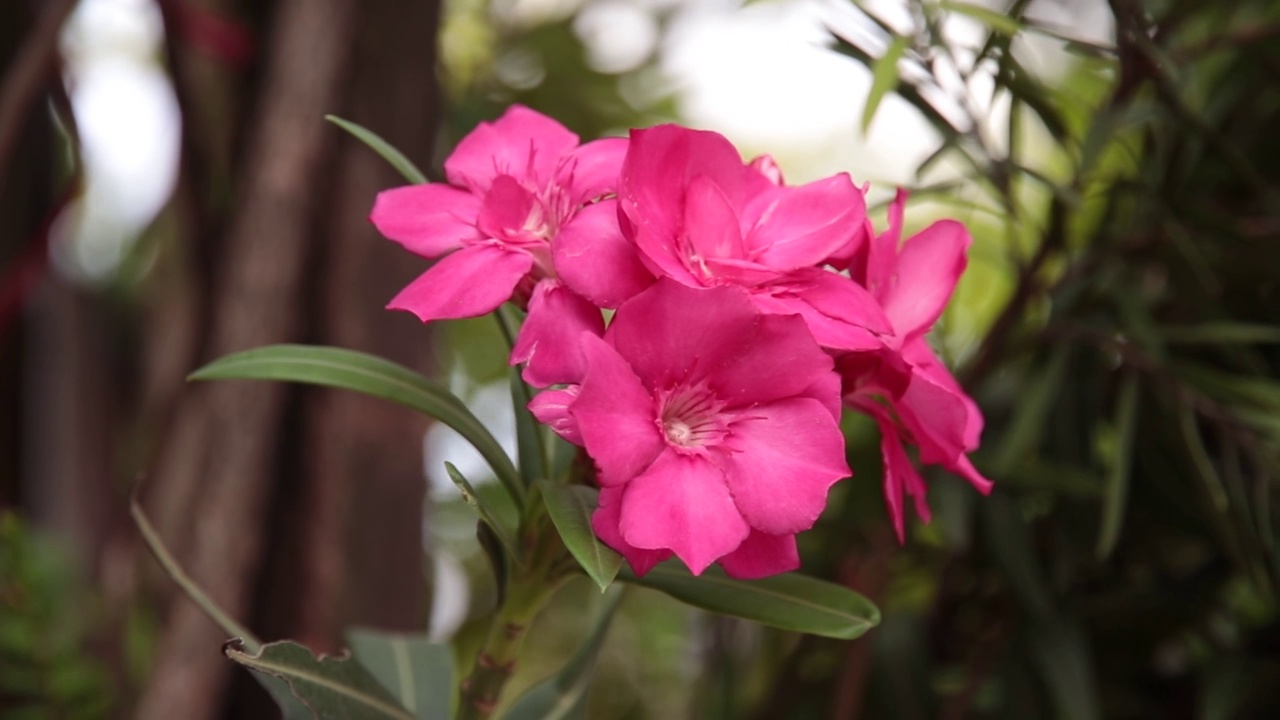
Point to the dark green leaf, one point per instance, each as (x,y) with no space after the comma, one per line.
(351,370)
(503,534)
(884,78)
(1061,651)
(333,688)
(417,672)
(564,695)
(1113,502)
(788,602)
(1220,333)
(570,508)
(393,156)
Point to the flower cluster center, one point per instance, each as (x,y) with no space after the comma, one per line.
(690,416)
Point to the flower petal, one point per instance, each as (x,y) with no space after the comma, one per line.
(795,227)
(524,144)
(671,333)
(429,220)
(710,222)
(616,415)
(468,283)
(762,555)
(593,169)
(660,164)
(549,340)
(506,210)
(681,504)
(778,359)
(926,273)
(782,459)
(839,297)
(900,476)
(605,520)
(594,259)
(551,408)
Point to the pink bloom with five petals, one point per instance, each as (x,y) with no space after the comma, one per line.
(515,185)
(715,432)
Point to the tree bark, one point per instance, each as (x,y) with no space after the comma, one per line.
(258,300)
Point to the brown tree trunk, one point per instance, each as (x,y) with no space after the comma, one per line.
(258,300)
(303,508)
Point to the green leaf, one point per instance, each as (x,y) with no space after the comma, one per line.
(884,78)
(417,672)
(332,688)
(997,21)
(351,370)
(393,156)
(1221,333)
(1117,493)
(531,450)
(290,707)
(504,534)
(563,696)
(570,508)
(788,602)
(1060,649)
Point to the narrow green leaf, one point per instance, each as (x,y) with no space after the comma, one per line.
(504,534)
(570,508)
(789,602)
(1117,492)
(1060,649)
(530,447)
(563,696)
(393,156)
(884,78)
(1221,333)
(997,21)
(416,671)
(290,707)
(351,370)
(333,688)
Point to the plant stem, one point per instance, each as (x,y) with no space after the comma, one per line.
(496,661)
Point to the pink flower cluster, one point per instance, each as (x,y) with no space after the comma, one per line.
(746,313)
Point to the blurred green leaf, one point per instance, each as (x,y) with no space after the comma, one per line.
(884,78)
(997,21)
(332,688)
(504,535)
(1221,333)
(789,601)
(563,696)
(393,156)
(570,508)
(1061,650)
(416,671)
(364,373)
(1113,502)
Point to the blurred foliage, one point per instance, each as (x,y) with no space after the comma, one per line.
(492,59)
(1126,565)
(46,671)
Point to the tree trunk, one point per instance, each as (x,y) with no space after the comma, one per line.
(304,506)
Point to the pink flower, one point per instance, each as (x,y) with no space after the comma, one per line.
(713,427)
(693,212)
(515,185)
(923,404)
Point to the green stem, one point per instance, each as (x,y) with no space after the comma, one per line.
(496,661)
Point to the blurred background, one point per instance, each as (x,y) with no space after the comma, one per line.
(170,192)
